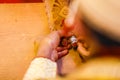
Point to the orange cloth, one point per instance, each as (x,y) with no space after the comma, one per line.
(20,25)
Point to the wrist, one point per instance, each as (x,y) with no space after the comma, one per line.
(44,51)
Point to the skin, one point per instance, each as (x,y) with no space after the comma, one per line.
(74,24)
(49,46)
(50,43)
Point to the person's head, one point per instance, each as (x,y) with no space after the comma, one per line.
(97,22)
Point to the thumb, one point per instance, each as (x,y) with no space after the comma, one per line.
(82,50)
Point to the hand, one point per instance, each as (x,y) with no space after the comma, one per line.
(73,23)
(48,45)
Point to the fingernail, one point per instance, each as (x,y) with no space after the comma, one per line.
(69,22)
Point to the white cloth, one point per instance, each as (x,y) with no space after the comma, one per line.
(41,68)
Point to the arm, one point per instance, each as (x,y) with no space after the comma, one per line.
(44,65)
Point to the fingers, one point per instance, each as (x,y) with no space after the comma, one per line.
(70,20)
(57,55)
(62,53)
(83,50)
(64,33)
(54,55)
(48,45)
(58,49)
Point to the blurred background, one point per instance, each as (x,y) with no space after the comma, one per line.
(20,1)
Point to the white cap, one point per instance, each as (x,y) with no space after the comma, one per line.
(73,39)
(105,14)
